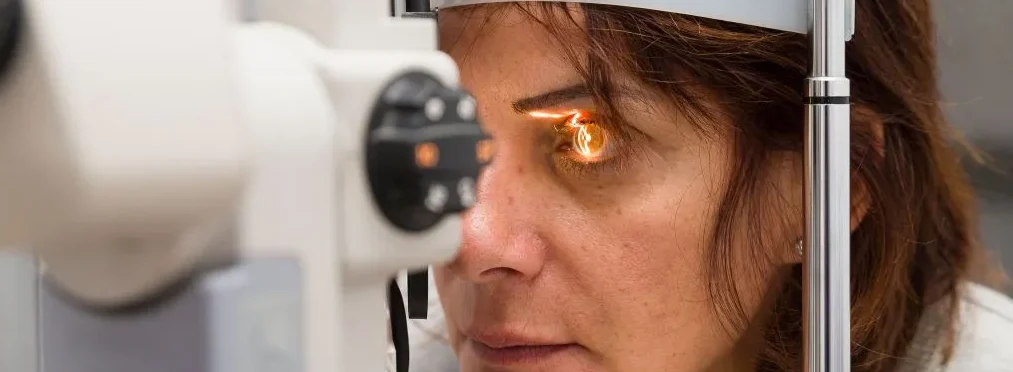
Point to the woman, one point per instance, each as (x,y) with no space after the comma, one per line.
(644,210)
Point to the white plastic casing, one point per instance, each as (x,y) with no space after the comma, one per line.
(120,151)
(373,249)
(310,196)
(124,159)
(351,24)
(291,208)
(784,15)
(368,49)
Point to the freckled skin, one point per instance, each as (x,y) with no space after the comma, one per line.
(613,262)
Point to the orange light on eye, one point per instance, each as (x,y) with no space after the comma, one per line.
(587,140)
(484,151)
(590,140)
(427,155)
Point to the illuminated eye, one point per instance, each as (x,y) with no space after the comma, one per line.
(583,139)
(588,141)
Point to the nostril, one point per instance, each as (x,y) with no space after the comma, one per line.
(498,273)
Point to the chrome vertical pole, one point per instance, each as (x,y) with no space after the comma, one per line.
(827,308)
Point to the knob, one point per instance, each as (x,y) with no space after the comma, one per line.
(424,151)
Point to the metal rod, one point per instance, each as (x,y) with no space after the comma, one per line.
(398,7)
(827,309)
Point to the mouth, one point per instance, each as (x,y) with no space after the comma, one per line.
(502,349)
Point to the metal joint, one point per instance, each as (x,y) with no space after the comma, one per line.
(828,87)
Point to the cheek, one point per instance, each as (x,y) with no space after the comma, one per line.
(657,232)
(643,268)
(660,250)
(654,261)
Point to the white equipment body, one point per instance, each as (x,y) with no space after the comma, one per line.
(225,156)
(107,144)
(170,178)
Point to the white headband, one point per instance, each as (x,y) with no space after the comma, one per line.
(784,15)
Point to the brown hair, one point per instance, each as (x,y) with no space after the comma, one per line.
(917,241)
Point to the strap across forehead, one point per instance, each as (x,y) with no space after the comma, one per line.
(784,15)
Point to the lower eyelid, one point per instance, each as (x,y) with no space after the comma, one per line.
(585,172)
(616,162)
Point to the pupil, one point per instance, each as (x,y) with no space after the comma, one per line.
(589,140)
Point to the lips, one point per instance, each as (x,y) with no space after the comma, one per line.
(505,348)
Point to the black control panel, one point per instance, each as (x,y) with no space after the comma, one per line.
(424,151)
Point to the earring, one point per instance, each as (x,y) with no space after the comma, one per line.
(799,249)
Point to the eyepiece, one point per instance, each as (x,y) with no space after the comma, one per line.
(424,151)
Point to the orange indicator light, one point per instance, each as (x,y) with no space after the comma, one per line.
(484,151)
(427,155)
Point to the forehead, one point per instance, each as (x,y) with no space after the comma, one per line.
(503,52)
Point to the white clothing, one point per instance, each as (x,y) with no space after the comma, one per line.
(984,339)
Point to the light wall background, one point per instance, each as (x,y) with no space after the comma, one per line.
(975,47)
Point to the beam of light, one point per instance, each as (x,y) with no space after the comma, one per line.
(552,115)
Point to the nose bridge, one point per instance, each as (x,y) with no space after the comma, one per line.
(508,192)
(500,232)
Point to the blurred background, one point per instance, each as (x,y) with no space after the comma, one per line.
(975,49)
(976,69)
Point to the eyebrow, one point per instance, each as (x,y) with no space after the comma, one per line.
(551,99)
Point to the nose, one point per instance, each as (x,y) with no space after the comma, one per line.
(501,238)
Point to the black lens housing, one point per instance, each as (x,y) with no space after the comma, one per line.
(422,151)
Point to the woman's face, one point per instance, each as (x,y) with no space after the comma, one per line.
(585,251)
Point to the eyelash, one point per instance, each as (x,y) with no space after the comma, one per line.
(618,145)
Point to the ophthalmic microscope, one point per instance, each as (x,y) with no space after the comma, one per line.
(208,194)
(225,186)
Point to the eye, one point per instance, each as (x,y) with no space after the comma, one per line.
(585,140)
(584,144)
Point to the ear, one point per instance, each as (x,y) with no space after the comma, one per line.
(869,144)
